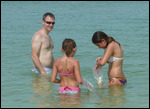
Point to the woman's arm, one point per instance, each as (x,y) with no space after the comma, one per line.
(107,54)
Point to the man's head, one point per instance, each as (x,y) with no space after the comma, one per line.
(48,21)
(48,14)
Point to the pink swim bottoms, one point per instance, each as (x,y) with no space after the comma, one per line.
(70,90)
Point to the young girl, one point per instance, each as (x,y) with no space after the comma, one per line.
(113,55)
(68,68)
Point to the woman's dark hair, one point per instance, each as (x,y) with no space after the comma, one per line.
(48,14)
(99,35)
(68,45)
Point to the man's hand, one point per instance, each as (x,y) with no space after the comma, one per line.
(44,73)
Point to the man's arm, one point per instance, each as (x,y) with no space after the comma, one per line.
(36,46)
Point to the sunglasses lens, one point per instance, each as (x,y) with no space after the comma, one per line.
(50,23)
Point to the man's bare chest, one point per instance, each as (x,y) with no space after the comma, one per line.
(47,43)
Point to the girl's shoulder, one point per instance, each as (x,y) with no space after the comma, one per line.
(73,60)
(56,61)
(113,44)
(110,46)
(61,58)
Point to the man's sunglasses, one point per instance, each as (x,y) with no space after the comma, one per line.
(50,22)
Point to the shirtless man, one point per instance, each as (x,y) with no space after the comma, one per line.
(42,46)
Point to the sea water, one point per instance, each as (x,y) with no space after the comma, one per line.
(126,21)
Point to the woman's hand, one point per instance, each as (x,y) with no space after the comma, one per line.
(98,59)
(97,63)
(96,67)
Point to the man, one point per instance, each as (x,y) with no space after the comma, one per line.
(42,46)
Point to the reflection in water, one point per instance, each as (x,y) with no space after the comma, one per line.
(116,94)
(42,89)
(112,96)
(67,100)
(46,94)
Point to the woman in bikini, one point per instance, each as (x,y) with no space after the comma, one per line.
(68,69)
(113,55)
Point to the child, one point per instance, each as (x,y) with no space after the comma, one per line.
(113,55)
(68,68)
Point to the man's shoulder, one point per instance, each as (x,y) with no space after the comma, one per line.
(37,35)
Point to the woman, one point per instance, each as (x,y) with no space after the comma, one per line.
(113,55)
